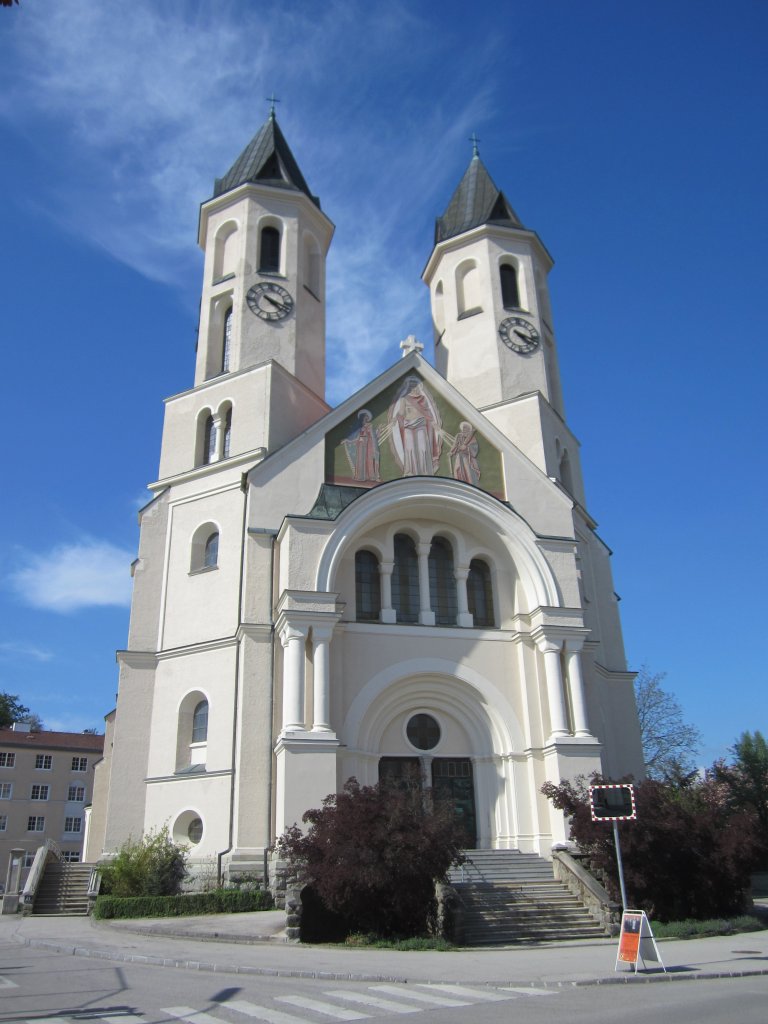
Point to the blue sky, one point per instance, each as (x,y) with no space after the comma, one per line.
(631,137)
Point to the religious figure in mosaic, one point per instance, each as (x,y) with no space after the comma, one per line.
(416,429)
(362,449)
(464,455)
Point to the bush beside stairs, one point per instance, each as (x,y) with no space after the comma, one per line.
(63,889)
(510,897)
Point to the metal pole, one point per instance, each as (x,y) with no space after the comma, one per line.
(620,865)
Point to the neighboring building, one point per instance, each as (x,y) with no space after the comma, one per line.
(408,581)
(46,781)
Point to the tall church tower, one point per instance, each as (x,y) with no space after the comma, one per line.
(494,339)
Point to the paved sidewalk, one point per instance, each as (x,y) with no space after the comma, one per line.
(253,944)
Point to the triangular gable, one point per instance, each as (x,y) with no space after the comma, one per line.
(410,429)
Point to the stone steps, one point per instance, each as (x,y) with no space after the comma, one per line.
(510,897)
(63,890)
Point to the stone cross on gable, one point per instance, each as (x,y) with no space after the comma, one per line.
(410,345)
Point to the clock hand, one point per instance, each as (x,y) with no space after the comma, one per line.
(275,303)
(521,335)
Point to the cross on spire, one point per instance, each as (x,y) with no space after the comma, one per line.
(474,140)
(272,100)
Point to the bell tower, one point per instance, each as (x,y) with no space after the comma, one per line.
(265,240)
(487,277)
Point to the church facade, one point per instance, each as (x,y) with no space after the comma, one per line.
(407,584)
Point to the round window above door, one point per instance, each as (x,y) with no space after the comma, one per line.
(423,732)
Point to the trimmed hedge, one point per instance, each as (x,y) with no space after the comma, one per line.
(220,901)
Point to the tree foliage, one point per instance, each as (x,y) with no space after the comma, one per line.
(689,854)
(670,744)
(373,854)
(746,780)
(154,866)
(11,710)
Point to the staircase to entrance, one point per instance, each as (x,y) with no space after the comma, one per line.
(511,897)
(63,889)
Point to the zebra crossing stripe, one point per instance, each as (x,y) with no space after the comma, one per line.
(420,997)
(476,994)
(262,1012)
(339,1012)
(374,1002)
(188,1014)
(518,989)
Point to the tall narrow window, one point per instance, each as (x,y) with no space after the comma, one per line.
(480,593)
(510,293)
(269,251)
(211,554)
(209,442)
(442,583)
(200,722)
(367,587)
(226,341)
(405,580)
(227,433)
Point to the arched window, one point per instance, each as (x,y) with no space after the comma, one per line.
(225,251)
(227,433)
(209,442)
(480,593)
(442,582)
(367,587)
(438,311)
(205,548)
(200,722)
(226,341)
(269,251)
(312,265)
(566,478)
(468,293)
(510,293)
(405,580)
(211,553)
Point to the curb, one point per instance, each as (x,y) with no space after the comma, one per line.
(628,978)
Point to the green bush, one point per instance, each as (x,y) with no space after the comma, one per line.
(703,929)
(220,901)
(154,866)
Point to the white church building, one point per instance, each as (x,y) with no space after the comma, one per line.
(410,582)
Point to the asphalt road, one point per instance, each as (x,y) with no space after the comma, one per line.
(54,988)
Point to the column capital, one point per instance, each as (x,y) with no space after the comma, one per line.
(574,644)
(289,631)
(322,631)
(386,567)
(423,547)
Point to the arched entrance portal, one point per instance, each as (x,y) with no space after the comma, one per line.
(456,736)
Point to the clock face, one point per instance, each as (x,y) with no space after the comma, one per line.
(518,334)
(269,301)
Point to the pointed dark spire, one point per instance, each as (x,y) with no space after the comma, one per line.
(268,160)
(476,201)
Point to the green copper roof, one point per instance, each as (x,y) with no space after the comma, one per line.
(476,201)
(267,160)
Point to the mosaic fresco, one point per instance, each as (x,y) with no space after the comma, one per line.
(407,430)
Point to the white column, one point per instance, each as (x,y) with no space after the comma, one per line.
(576,687)
(557,717)
(219,426)
(465,617)
(293,640)
(426,615)
(321,662)
(388,613)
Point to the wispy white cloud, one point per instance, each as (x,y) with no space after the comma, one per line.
(148,102)
(70,577)
(12,649)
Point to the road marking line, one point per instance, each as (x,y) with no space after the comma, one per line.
(7,983)
(262,1012)
(320,1007)
(422,997)
(189,1014)
(479,994)
(525,991)
(378,1004)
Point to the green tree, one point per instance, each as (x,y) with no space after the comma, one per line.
(373,854)
(746,779)
(153,866)
(11,710)
(670,744)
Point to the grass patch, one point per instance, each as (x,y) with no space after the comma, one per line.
(404,945)
(704,929)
